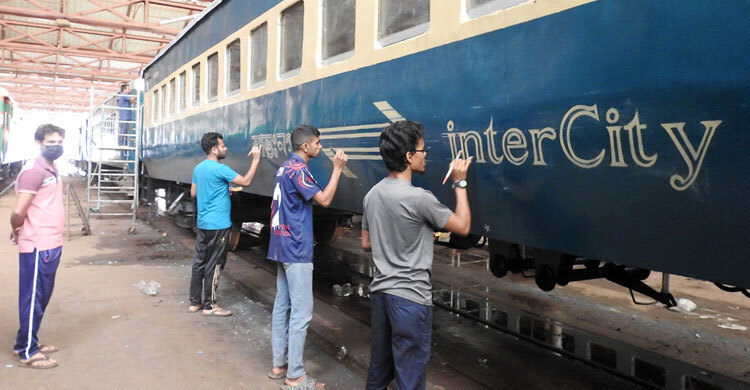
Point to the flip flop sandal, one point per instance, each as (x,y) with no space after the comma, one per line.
(193,309)
(309,383)
(217,312)
(42,348)
(30,363)
(280,375)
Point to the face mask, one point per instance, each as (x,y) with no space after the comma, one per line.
(52,152)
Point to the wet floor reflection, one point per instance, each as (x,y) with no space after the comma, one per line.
(341,278)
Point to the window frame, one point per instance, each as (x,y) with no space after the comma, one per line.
(155,106)
(403,35)
(162,102)
(488,8)
(172,87)
(250,51)
(283,75)
(321,38)
(182,77)
(228,66)
(210,98)
(193,101)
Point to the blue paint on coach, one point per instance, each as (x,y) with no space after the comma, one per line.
(669,61)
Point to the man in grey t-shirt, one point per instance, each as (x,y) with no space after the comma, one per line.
(397,226)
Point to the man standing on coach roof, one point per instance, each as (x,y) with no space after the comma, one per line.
(37,223)
(397,226)
(291,245)
(211,187)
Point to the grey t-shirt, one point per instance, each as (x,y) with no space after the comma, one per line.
(401,220)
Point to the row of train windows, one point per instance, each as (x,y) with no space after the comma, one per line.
(398,20)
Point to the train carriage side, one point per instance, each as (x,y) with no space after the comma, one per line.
(603,130)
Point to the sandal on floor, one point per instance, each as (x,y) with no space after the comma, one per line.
(194,308)
(42,349)
(217,312)
(309,383)
(280,375)
(46,363)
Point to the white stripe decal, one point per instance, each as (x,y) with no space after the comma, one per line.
(346,171)
(355,135)
(361,150)
(349,128)
(364,157)
(33,299)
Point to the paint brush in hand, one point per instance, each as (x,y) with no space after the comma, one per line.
(450,167)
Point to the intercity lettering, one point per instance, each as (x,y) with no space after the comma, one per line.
(516,147)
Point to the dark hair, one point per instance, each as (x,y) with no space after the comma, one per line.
(123,87)
(43,130)
(398,139)
(209,140)
(302,134)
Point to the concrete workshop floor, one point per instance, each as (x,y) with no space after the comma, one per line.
(113,336)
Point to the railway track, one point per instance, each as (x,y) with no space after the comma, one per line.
(481,352)
(478,340)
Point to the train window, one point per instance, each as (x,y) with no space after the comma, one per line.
(233,61)
(400,20)
(183,91)
(155,106)
(213,76)
(291,39)
(258,55)
(163,102)
(172,96)
(196,84)
(338,29)
(476,8)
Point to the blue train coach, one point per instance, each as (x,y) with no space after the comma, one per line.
(605,132)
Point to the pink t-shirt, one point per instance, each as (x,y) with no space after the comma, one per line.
(45,220)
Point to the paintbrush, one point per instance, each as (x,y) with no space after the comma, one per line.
(450,167)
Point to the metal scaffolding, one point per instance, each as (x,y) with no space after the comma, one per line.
(112,152)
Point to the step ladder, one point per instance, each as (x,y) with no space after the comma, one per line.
(113,136)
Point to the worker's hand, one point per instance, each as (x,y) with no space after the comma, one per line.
(460,167)
(255,152)
(339,160)
(14,235)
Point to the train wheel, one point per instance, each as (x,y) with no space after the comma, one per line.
(545,277)
(642,274)
(470,241)
(325,231)
(564,269)
(234,236)
(591,264)
(498,265)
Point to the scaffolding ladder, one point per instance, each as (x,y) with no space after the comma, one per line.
(112,152)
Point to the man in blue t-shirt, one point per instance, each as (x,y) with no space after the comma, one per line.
(291,246)
(211,187)
(125,101)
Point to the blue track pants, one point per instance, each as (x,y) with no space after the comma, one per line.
(36,280)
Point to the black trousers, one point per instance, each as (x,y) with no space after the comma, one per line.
(210,256)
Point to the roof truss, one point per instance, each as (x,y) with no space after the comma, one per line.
(81,44)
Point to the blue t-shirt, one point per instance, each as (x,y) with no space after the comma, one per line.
(212,180)
(291,213)
(124,102)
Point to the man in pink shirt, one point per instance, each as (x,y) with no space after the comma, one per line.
(37,223)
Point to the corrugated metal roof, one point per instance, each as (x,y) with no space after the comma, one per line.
(108,41)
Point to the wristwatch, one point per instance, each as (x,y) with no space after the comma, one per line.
(459,184)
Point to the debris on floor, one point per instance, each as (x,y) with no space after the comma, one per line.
(151,288)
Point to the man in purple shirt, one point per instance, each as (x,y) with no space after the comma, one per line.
(291,245)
